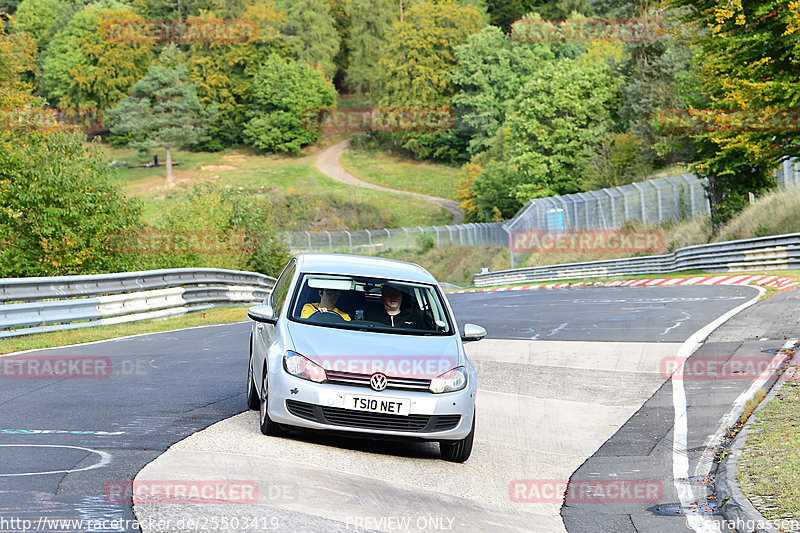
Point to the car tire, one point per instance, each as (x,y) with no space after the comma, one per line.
(268,427)
(458,451)
(253,401)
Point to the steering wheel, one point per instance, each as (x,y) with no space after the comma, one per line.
(326,317)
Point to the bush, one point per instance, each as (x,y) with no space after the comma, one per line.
(60,204)
(287,96)
(220,230)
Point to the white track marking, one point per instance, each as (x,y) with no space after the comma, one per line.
(105,458)
(680,432)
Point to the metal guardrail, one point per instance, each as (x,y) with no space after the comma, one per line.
(39,305)
(777,252)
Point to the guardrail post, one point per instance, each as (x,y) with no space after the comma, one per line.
(641,194)
(600,211)
(408,245)
(438,244)
(330,241)
(309,240)
(613,209)
(369,237)
(625,204)
(349,240)
(389,235)
(658,198)
(688,180)
(677,198)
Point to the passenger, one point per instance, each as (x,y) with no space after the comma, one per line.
(393,313)
(327,304)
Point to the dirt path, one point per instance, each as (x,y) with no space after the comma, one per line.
(329,163)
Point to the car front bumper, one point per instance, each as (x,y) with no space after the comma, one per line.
(297,402)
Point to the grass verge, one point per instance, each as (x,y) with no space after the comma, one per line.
(288,182)
(769,468)
(403,174)
(454,264)
(218,315)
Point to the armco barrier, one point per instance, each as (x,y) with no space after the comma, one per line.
(777,252)
(38,305)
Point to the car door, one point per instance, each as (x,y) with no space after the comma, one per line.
(265,334)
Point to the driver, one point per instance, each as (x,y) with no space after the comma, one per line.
(327,304)
(393,314)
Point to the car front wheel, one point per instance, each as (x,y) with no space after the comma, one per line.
(268,427)
(458,451)
(253,401)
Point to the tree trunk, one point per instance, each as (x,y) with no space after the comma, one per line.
(169,164)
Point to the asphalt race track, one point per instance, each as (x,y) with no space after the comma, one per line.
(572,387)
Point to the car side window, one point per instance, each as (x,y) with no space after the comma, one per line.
(281,289)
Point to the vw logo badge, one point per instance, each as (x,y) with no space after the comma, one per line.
(378,381)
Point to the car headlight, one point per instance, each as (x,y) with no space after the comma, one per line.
(450,381)
(303,367)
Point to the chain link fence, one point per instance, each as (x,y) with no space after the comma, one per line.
(788,175)
(651,202)
(368,241)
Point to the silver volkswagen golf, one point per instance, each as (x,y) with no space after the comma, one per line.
(362,345)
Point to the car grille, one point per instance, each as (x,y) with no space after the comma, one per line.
(337,416)
(362,380)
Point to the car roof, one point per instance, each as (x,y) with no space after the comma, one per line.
(361,265)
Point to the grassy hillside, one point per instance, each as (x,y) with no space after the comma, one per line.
(455,264)
(403,174)
(304,198)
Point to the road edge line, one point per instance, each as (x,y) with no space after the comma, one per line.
(680,429)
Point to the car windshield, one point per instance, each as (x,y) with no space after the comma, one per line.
(371,304)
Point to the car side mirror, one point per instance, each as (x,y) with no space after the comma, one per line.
(262,313)
(473,332)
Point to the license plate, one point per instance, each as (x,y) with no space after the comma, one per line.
(377,404)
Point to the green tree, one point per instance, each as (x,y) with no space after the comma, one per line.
(170,9)
(490,73)
(746,62)
(416,66)
(59,203)
(223,72)
(8,6)
(163,111)
(17,62)
(309,28)
(555,124)
(554,127)
(415,71)
(285,94)
(42,19)
(84,68)
(371,23)
(503,13)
